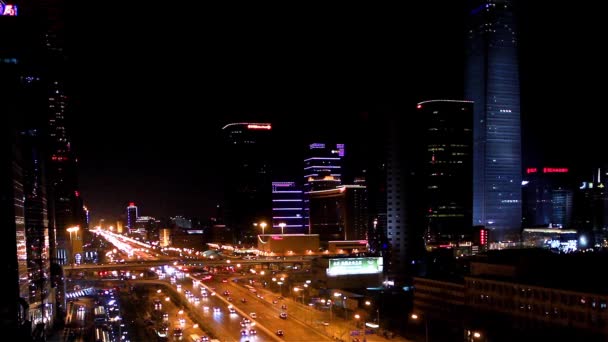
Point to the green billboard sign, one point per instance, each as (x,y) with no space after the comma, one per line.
(346,266)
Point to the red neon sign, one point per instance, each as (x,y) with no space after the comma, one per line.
(131,204)
(531,170)
(255,126)
(483,234)
(555,170)
(277,238)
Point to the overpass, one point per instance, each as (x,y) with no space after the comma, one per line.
(145,264)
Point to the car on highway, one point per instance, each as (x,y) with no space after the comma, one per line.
(280,332)
(283,315)
(253,315)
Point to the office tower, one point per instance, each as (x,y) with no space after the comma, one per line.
(247,178)
(547,197)
(131,216)
(492,83)
(288,208)
(340,213)
(590,211)
(23,206)
(14,316)
(447,168)
(322,170)
(323,166)
(39,297)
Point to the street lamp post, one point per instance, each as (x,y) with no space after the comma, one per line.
(426,326)
(282,225)
(369,303)
(72,254)
(280,287)
(263,225)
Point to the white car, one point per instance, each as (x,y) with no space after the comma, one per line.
(253,315)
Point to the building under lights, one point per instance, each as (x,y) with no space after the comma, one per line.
(131,216)
(288,208)
(247,178)
(547,197)
(447,168)
(322,170)
(492,82)
(339,214)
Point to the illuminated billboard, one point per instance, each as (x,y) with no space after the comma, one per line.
(348,266)
(8,9)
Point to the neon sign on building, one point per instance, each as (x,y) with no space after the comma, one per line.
(259,126)
(8,10)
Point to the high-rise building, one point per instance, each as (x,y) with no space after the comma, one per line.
(27,307)
(447,169)
(322,170)
(404,189)
(247,178)
(14,316)
(32,68)
(288,208)
(492,82)
(547,197)
(323,166)
(131,216)
(340,213)
(590,210)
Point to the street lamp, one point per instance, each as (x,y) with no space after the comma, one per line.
(282,225)
(369,303)
(73,230)
(263,225)
(426,326)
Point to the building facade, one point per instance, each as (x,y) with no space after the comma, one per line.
(547,197)
(247,178)
(288,208)
(339,214)
(132,216)
(492,83)
(447,169)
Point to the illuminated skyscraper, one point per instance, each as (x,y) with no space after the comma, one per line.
(247,178)
(339,213)
(447,168)
(131,216)
(322,170)
(492,82)
(288,208)
(323,167)
(23,201)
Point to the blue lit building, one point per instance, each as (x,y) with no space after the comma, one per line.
(322,170)
(492,82)
(131,216)
(288,208)
(547,197)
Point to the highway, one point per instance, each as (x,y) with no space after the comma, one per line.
(268,314)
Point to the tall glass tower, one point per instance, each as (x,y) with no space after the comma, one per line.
(492,82)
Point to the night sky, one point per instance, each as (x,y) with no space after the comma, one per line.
(152,87)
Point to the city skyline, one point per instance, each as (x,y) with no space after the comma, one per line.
(132,132)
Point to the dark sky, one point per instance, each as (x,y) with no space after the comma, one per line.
(151,87)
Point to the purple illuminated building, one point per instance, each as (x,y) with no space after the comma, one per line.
(288,208)
(322,169)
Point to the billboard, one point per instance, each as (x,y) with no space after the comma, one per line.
(348,266)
